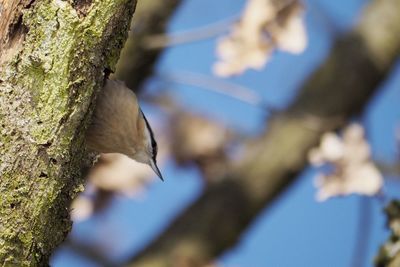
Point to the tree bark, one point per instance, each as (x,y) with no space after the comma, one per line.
(389,254)
(339,89)
(52,62)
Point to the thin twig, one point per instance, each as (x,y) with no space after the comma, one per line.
(213,84)
(159,41)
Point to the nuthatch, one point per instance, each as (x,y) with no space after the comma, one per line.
(119,126)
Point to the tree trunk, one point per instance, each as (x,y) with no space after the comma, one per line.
(52,62)
(339,89)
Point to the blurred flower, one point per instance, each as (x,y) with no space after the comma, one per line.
(89,202)
(82,208)
(201,137)
(118,173)
(113,173)
(264,26)
(202,141)
(353,169)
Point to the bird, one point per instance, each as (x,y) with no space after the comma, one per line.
(119,126)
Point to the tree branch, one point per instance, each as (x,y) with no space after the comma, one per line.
(339,89)
(137,61)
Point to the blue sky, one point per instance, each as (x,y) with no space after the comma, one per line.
(295,230)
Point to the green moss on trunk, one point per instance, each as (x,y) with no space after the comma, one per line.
(46,92)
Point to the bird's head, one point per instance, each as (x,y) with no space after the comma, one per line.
(148,152)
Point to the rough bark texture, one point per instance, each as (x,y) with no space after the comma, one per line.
(337,90)
(53,54)
(389,254)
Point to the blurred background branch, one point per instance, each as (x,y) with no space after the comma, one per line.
(214,84)
(137,60)
(333,94)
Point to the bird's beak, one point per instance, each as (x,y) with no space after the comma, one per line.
(153,165)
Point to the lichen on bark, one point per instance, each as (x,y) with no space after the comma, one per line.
(46,91)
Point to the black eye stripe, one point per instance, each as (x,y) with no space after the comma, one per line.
(153,141)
